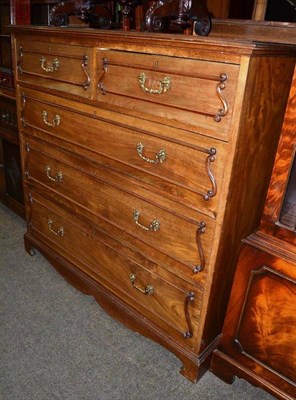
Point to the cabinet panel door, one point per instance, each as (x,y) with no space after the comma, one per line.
(269,312)
(260,327)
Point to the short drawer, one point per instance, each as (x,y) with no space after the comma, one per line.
(184,240)
(8,116)
(187,93)
(189,173)
(169,302)
(6,80)
(56,66)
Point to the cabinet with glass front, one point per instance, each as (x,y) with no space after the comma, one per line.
(287,217)
(5,46)
(11,188)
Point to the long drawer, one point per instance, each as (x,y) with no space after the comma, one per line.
(189,93)
(171,304)
(140,218)
(56,66)
(191,174)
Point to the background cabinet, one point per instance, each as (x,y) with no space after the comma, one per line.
(269,10)
(11,187)
(5,47)
(11,175)
(259,334)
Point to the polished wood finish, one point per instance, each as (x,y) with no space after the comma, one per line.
(133,184)
(259,333)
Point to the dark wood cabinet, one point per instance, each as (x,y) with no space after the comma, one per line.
(259,334)
(6,81)
(269,10)
(11,188)
(41,10)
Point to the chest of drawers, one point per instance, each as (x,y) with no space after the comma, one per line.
(146,159)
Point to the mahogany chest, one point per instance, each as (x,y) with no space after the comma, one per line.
(146,160)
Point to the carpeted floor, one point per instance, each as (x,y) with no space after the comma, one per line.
(57,343)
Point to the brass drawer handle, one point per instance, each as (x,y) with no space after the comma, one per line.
(163,85)
(105,70)
(160,157)
(84,65)
(189,299)
(59,232)
(56,121)
(149,289)
(153,226)
(200,231)
(210,159)
(5,116)
(57,178)
(221,86)
(49,66)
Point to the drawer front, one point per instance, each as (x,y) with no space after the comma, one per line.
(165,302)
(55,66)
(190,174)
(183,92)
(8,116)
(6,80)
(141,219)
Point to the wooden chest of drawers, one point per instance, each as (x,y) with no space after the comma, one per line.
(146,159)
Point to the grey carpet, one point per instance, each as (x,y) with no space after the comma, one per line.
(57,343)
